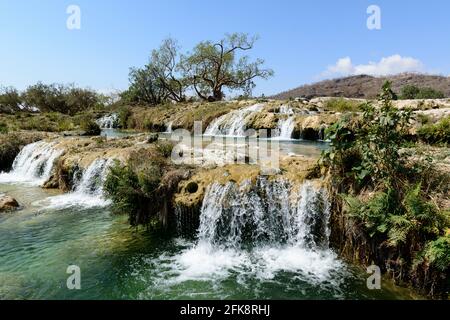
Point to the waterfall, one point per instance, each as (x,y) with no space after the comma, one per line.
(87,191)
(233,123)
(109,121)
(267,213)
(259,230)
(169,127)
(33,164)
(286,125)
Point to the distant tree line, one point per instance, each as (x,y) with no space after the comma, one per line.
(207,71)
(67,99)
(414,92)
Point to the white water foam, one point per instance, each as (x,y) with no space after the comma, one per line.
(109,121)
(258,232)
(87,192)
(33,165)
(233,123)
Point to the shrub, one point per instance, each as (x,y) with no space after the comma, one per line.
(90,127)
(435,133)
(385,195)
(413,92)
(3,127)
(342,105)
(124,115)
(59,98)
(9,100)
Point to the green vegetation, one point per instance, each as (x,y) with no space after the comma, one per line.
(143,187)
(413,92)
(65,99)
(438,133)
(9,100)
(208,70)
(90,127)
(386,196)
(343,105)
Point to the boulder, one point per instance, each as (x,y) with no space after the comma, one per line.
(8,203)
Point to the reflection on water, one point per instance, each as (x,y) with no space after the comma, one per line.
(39,242)
(118,262)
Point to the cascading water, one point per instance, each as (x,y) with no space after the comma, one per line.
(169,127)
(88,189)
(33,165)
(285,125)
(233,123)
(261,230)
(110,121)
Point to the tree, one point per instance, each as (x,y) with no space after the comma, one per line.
(414,92)
(158,80)
(9,100)
(145,87)
(55,97)
(211,67)
(165,66)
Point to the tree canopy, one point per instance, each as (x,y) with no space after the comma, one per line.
(208,70)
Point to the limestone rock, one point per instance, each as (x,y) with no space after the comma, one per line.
(8,203)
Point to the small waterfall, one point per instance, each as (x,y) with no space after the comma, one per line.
(261,229)
(34,164)
(233,123)
(169,127)
(286,126)
(87,190)
(267,213)
(110,121)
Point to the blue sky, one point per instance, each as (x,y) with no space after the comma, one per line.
(302,41)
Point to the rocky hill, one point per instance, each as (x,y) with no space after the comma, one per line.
(364,86)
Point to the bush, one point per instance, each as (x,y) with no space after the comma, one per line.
(59,98)
(90,127)
(413,92)
(124,115)
(435,133)
(9,100)
(143,188)
(342,105)
(3,127)
(386,196)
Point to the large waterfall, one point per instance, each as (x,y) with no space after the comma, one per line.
(233,123)
(87,190)
(33,165)
(110,121)
(260,230)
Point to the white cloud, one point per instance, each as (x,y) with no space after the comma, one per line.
(386,66)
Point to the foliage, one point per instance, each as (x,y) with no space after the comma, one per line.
(213,66)
(4,127)
(143,187)
(376,139)
(437,253)
(58,98)
(414,92)
(90,127)
(383,191)
(123,116)
(9,100)
(208,70)
(435,133)
(342,105)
